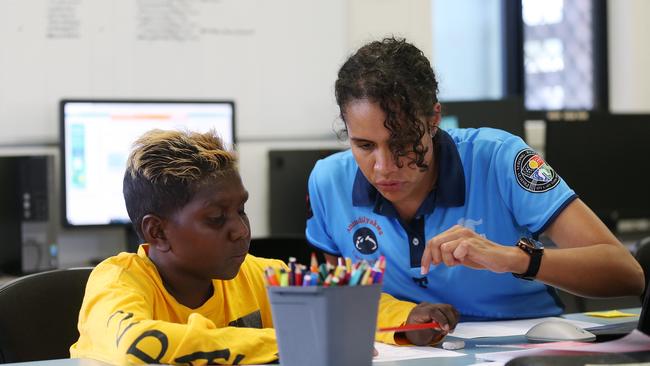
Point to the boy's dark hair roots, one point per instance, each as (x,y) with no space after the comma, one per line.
(166,168)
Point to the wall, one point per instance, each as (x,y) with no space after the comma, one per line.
(372,19)
(629,56)
(277,58)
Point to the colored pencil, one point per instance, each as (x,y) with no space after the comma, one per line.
(410,327)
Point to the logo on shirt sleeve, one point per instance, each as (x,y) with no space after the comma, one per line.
(533,173)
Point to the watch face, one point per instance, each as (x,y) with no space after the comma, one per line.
(530,244)
(526,242)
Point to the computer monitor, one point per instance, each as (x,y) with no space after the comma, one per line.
(97,136)
(506,114)
(604,160)
(288,177)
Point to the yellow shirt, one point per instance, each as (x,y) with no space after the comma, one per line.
(128,317)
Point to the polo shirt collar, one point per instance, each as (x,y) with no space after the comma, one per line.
(450,190)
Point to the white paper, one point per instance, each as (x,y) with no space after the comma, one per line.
(636,341)
(504,328)
(389,352)
(509,355)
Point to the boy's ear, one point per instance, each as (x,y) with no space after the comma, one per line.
(153,229)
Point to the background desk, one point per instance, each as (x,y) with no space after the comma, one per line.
(470,348)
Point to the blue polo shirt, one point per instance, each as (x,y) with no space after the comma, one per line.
(489,181)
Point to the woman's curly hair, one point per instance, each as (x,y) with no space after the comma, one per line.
(397,75)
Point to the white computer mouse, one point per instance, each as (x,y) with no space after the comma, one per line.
(557,330)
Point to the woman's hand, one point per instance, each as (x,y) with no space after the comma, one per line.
(462,246)
(444,314)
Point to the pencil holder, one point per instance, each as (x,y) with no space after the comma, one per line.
(324,326)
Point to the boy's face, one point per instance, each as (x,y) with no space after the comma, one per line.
(209,237)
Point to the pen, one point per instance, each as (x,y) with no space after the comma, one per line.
(409,327)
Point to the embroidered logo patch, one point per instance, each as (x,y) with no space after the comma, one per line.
(365,240)
(533,173)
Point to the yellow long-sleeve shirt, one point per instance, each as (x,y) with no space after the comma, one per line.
(128,317)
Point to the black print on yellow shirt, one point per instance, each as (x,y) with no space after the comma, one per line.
(252,320)
(142,355)
(211,357)
(121,333)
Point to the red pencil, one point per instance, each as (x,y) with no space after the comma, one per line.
(409,327)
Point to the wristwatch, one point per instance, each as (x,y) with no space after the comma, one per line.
(535,250)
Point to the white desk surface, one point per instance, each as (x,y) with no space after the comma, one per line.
(469,359)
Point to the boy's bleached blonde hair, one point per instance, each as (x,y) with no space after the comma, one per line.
(165,168)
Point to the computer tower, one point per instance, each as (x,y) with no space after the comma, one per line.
(28,235)
(10,231)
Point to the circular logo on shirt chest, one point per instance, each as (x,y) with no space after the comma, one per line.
(365,240)
(533,173)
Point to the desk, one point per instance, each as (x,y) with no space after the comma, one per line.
(63,362)
(6,278)
(470,348)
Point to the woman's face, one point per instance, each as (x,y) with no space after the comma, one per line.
(369,141)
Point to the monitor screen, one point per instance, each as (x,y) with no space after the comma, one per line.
(603,160)
(506,114)
(97,136)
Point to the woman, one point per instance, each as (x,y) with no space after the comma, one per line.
(456,213)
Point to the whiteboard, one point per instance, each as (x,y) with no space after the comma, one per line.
(277,59)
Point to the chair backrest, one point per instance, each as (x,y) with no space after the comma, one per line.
(642,255)
(39,314)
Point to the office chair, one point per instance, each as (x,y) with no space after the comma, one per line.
(39,314)
(283,247)
(642,255)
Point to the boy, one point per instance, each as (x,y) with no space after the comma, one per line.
(182,298)
(191,294)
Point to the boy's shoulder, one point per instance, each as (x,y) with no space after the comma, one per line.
(121,268)
(254,264)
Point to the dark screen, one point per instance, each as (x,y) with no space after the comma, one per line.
(505,114)
(289,172)
(605,160)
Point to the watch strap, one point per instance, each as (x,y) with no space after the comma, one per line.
(535,252)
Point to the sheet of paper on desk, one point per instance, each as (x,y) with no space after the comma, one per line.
(504,328)
(633,342)
(387,352)
(636,341)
